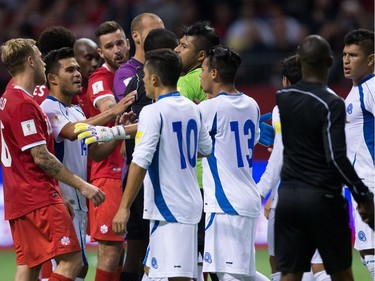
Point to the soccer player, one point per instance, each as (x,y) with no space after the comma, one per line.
(138,228)
(231,198)
(85,51)
(358,65)
(315,166)
(33,203)
(64,82)
(270,180)
(139,28)
(169,136)
(113,49)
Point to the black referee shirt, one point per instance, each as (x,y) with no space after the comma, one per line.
(313,123)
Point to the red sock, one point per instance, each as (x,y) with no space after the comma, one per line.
(46,270)
(58,277)
(104,275)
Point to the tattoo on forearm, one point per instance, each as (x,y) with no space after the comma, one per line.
(46,161)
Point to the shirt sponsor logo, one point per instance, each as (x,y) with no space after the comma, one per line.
(65,241)
(28,127)
(97,87)
(104,229)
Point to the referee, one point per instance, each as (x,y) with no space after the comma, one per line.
(311,212)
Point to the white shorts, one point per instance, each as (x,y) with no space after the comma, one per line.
(172,250)
(229,244)
(364,235)
(80,225)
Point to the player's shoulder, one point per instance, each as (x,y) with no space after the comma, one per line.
(101,73)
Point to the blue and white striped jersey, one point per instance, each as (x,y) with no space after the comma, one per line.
(359,129)
(73,154)
(233,124)
(170,134)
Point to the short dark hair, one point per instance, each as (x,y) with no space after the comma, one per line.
(55,37)
(52,60)
(364,38)
(107,27)
(160,38)
(291,69)
(205,36)
(166,64)
(226,61)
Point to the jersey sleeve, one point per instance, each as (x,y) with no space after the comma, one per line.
(147,137)
(56,117)
(204,140)
(271,176)
(100,86)
(28,127)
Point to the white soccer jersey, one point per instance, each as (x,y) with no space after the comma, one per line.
(73,154)
(359,129)
(233,123)
(270,179)
(169,135)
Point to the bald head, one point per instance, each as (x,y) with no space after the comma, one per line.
(315,51)
(86,54)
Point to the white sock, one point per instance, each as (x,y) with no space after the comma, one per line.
(276,276)
(370,264)
(307,276)
(322,276)
(260,277)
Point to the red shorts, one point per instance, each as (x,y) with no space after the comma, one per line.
(43,234)
(100,218)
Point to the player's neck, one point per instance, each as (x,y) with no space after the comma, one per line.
(24,82)
(229,89)
(139,55)
(163,91)
(66,100)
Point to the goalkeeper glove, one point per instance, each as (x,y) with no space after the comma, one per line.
(267,132)
(93,134)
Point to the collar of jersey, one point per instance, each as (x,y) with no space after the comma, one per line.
(55,99)
(367,78)
(172,94)
(226,94)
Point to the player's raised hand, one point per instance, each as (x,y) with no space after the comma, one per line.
(93,193)
(123,104)
(120,220)
(93,134)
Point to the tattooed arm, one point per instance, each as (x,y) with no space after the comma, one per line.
(53,167)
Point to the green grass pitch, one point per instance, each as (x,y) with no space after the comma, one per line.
(8,265)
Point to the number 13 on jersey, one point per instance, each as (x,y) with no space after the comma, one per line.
(247,132)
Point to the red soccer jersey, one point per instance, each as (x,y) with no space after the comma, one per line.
(23,126)
(40,92)
(100,86)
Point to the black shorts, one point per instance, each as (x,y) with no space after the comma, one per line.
(137,227)
(308,218)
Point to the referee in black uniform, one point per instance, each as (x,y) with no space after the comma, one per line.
(311,212)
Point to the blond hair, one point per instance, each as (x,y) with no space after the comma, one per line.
(14,53)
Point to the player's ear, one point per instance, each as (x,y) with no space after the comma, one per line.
(52,79)
(201,56)
(370,60)
(100,52)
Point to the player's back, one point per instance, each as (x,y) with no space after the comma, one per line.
(232,121)
(173,131)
